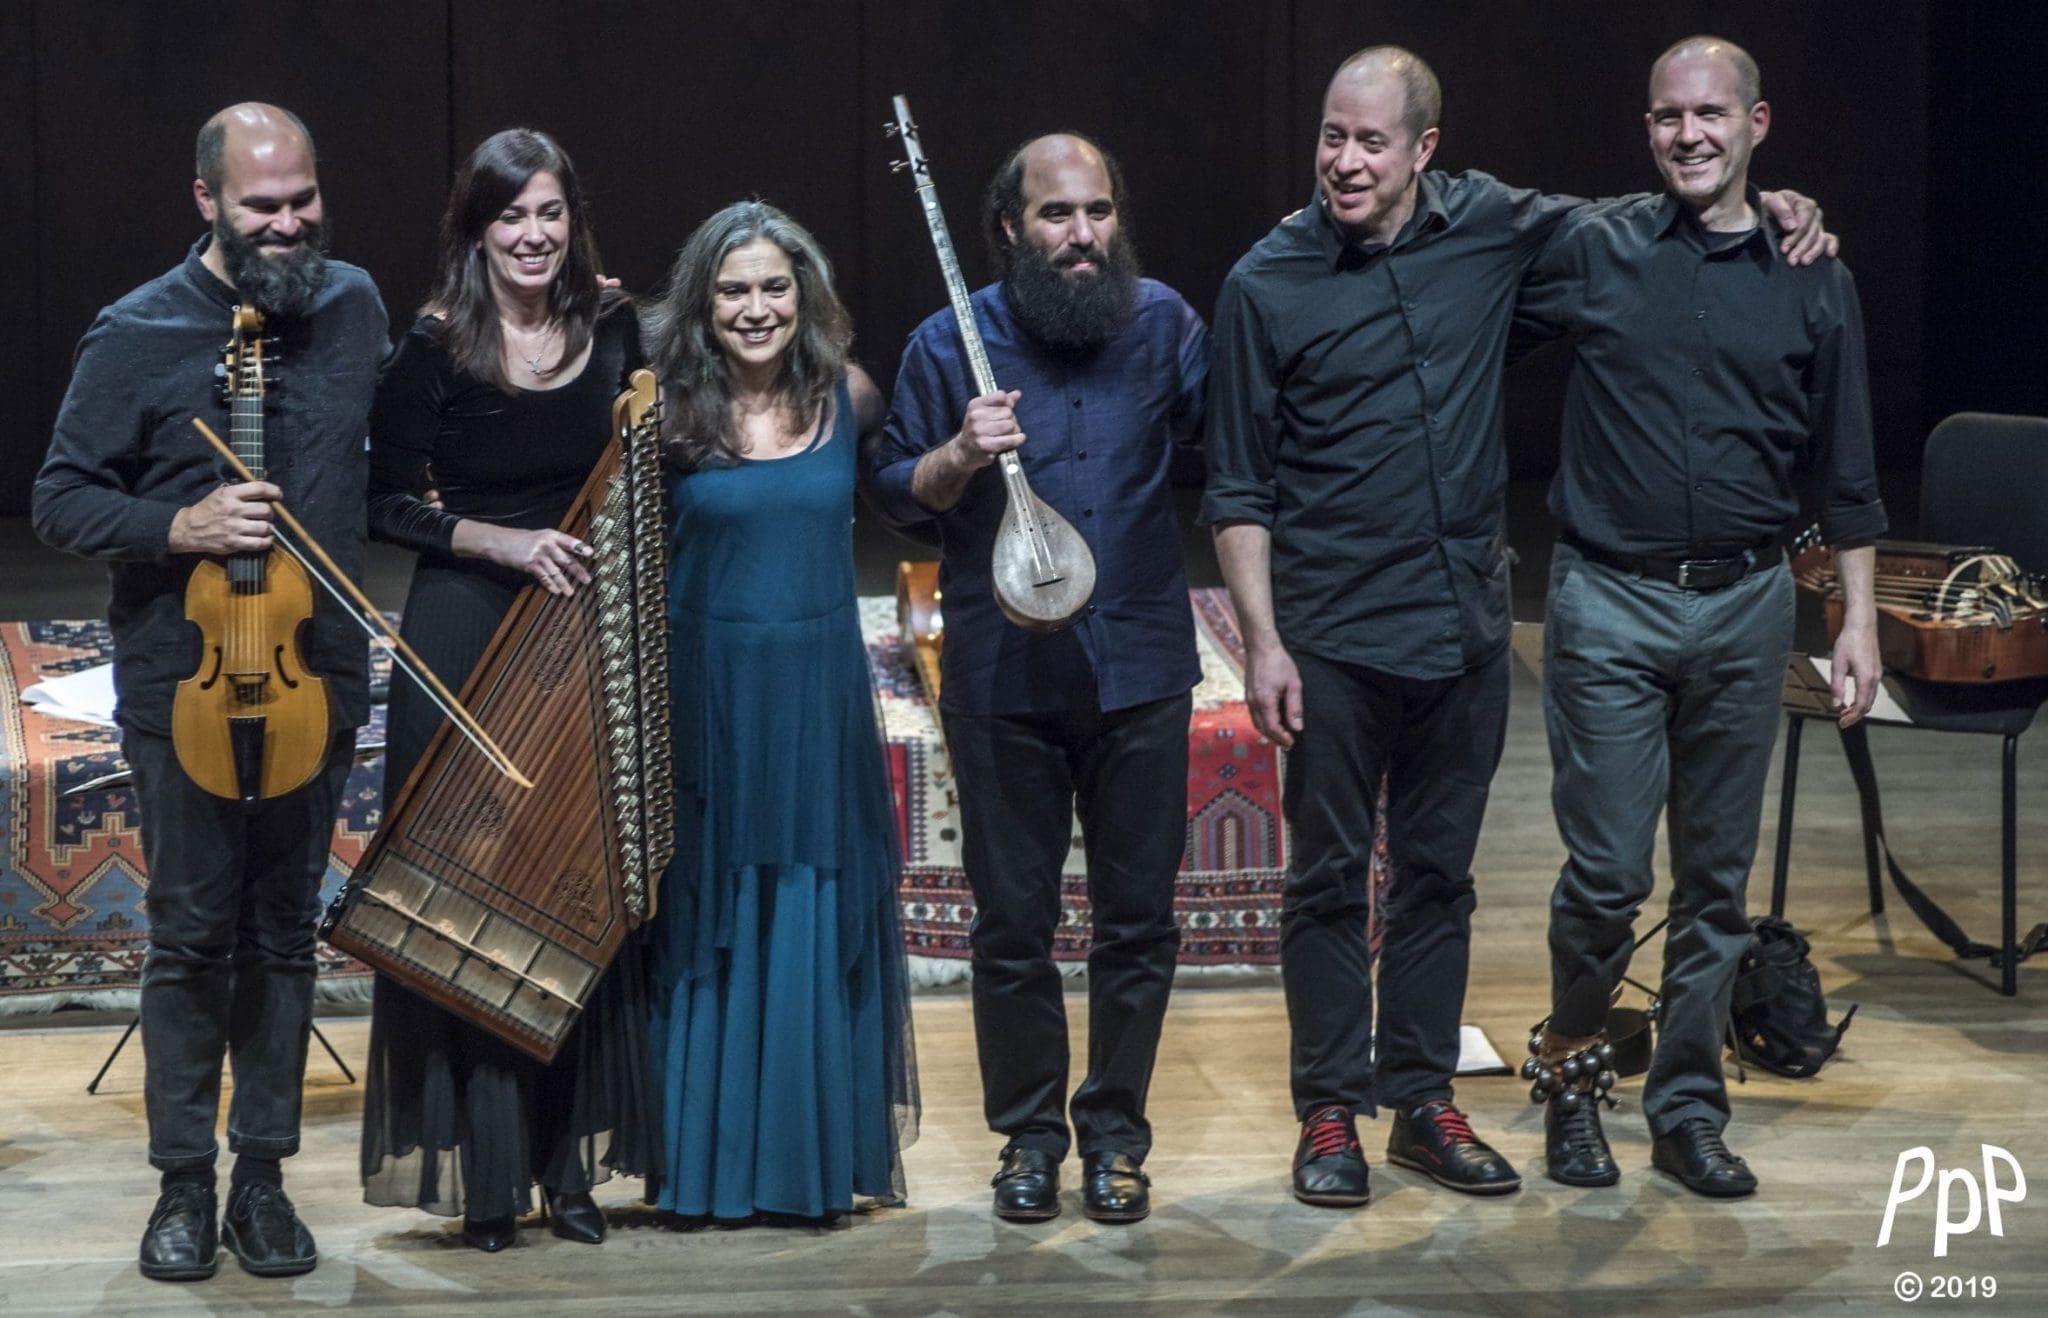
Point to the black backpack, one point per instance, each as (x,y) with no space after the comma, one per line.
(1778,1017)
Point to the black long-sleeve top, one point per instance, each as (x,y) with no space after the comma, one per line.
(1355,411)
(1715,388)
(514,459)
(125,458)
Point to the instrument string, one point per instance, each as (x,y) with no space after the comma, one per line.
(365,613)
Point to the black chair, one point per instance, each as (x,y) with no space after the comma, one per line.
(1984,481)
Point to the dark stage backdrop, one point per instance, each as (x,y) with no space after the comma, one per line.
(1916,124)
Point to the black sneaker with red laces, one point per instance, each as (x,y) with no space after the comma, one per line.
(1329,1167)
(1436,1140)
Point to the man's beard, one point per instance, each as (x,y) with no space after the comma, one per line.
(1074,313)
(282,286)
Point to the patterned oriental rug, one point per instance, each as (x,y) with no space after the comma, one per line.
(73,929)
(1232,870)
(72,926)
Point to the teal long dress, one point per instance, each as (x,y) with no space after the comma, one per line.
(780,1017)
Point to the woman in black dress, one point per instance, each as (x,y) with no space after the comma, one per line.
(488,419)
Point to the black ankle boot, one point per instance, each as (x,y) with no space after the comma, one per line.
(1574,1147)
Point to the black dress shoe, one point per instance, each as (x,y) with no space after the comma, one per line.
(1113,1188)
(1695,1155)
(490,1234)
(1027,1185)
(265,1232)
(1436,1140)
(182,1240)
(1575,1149)
(1329,1167)
(574,1215)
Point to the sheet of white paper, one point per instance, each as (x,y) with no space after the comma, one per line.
(86,696)
(1475,1055)
(1886,710)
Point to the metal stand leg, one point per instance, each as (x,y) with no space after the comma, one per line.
(1873,817)
(349,1075)
(1788,792)
(122,1042)
(119,1044)
(2008,979)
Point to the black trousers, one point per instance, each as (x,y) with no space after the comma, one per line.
(234,896)
(1438,742)
(1022,780)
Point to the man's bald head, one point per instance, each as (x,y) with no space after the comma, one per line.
(1054,223)
(251,127)
(258,190)
(1032,169)
(1421,91)
(1055,150)
(1749,82)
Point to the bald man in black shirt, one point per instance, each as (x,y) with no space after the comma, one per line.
(1715,388)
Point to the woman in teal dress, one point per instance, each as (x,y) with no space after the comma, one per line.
(780,1017)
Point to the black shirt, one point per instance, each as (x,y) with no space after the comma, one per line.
(1100,432)
(514,459)
(1714,389)
(1355,410)
(125,458)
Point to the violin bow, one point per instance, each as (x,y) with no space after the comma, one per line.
(370,620)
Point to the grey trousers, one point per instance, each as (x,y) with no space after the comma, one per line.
(233,902)
(1658,698)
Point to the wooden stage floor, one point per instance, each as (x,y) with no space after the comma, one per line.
(1935,1059)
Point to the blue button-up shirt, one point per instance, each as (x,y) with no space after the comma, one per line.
(1099,436)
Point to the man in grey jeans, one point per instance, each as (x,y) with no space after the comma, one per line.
(233,888)
(1715,389)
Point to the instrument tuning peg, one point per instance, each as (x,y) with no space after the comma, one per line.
(890,130)
(220,370)
(898,166)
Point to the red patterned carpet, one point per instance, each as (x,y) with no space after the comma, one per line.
(73,928)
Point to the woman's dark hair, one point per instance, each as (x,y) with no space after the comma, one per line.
(489,181)
(676,328)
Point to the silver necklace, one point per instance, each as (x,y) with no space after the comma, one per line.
(533,360)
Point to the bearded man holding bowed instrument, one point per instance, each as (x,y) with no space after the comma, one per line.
(233,887)
(1104,372)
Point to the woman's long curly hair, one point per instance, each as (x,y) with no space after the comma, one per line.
(683,347)
(489,181)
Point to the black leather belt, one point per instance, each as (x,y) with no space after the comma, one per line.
(1684,573)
